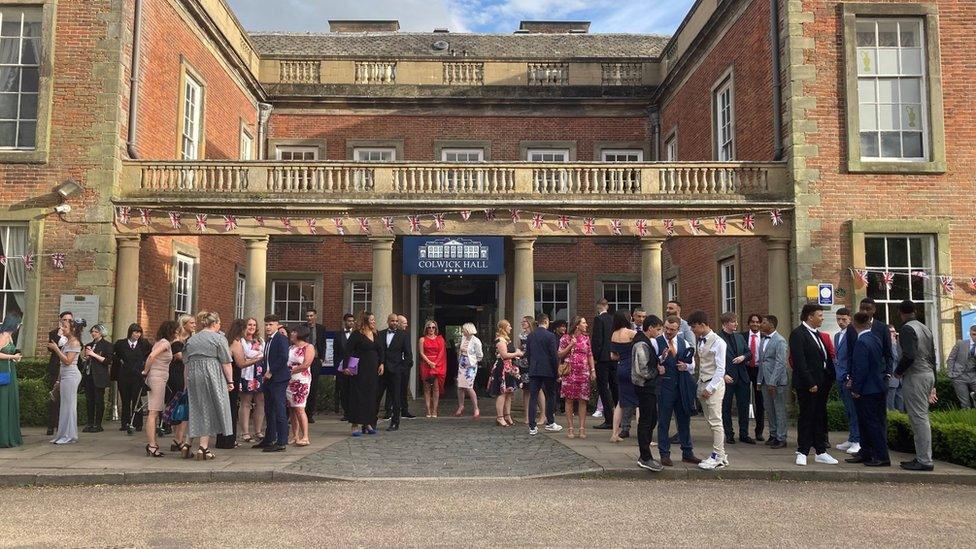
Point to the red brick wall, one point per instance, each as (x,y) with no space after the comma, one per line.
(589,259)
(746,49)
(420,132)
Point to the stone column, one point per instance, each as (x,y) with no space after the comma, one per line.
(652,282)
(382,290)
(524,279)
(255,276)
(126,284)
(778,251)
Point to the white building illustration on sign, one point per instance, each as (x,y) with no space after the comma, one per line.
(453,248)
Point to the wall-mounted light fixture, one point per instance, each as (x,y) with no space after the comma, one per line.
(68,189)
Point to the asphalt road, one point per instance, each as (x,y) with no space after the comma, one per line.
(562,513)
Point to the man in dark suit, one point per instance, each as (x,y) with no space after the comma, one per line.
(813,374)
(276,377)
(868,388)
(677,392)
(737,359)
(129,358)
(339,354)
(59,337)
(879,329)
(405,374)
(395,354)
(606,369)
(541,350)
(316,336)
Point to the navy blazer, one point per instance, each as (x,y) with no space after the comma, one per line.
(879,329)
(542,348)
(276,358)
(868,366)
(676,380)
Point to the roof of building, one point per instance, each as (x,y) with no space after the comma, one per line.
(406,45)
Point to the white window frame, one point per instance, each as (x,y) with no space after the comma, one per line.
(723,116)
(7,294)
(247,145)
(628,287)
(479,154)
(360,292)
(282,151)
(671,148)
(284,284)
(638,155)
(184,284)
(672,288)
(239,291)
(540,302)
(728,281)
(192,118)
(543,153)
(872,123)
(358,152)
(21,67)
(928,296)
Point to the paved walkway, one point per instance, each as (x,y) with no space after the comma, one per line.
(443,448)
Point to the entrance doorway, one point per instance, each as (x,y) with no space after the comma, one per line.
(452,301)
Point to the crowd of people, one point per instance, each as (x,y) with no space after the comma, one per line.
(204,384)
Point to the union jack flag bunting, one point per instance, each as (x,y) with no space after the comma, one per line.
(887,280)
(312,226)
(3,260)
(57,259)
(776,217)
(439,221)
(145,215)
(615,227)
(29,260)
(721,225)
(972,283)
(948,284)
(563,222)
(201,222)
(176,219)
(695,225)
(286,223)
(516,215)
(589,225)
(749,222)
(489,215)
(388,224)
(920,274)
(537,221)
(641,226)
(364,225)
(414,223)
(465,214)
(230,223)
(861,276)
(260,221)
(338,223)
(123,214)
(669,226)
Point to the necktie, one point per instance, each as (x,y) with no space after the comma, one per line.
(754,349)
(132,345)
(972,349)
(672,347)
(820,343)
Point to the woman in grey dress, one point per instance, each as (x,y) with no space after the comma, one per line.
(209,379)
(69,378)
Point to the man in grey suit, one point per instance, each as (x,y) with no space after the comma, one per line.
(962,369)
(772,376)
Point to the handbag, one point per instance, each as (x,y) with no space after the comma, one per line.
(178,409)
(351,366)
(5,377)
(564,369)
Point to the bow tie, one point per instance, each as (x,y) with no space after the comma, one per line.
(701,340)
(766,337)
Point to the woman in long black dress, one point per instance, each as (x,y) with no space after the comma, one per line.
(364,385)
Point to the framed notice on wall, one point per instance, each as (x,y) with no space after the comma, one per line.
(81,307)
(328,361)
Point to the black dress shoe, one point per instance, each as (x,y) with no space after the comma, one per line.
(770,442)
(393,428)
(408,415)
(914,465)
(275,448)
(747,440)
(729,439)
(261,445)
(666,461)
(692,460)
(778,444)
(88,429)
(624,434)
(759,437)
(50,431)
(877,463)
(602,426)
(97,429)
(856,459)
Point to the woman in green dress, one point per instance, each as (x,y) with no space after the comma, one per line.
(9,400)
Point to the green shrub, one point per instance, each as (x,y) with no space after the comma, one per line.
(34,401)
(953,435)
(32,368)
(836,416)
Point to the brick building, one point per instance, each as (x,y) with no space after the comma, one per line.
(292,145)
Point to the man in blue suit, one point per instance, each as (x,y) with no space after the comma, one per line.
(868,388)
(276,379)
(541,350)
(677,393)
(843,366)
(879,329)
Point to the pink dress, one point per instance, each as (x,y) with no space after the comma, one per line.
(301,382)
(576,385)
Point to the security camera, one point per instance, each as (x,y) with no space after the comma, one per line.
(62,209)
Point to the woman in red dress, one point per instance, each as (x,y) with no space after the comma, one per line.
(433,365)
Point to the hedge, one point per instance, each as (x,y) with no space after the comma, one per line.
(34,401)
(953,435)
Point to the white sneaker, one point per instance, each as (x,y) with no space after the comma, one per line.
(843,446)
(801,459)
(713,462)
(825,458)
(554,427)
(855,448)
(598,413)
(533,431)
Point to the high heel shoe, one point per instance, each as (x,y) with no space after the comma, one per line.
(459,412)
(501,421)
(582,432)
(153,451)
(509,420)
(203,454)
(570,433)
(175,447)
(477,414)
(185,451)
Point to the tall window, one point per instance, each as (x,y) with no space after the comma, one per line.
(622,155)
(373,154)
(622,296)
(192,114)
(247,146)
(672,289)
(13,274)
(671,149)
(239,296)
(552,298)
(360,296)
(184,284)
(901,255)
(727,270)
(20,54)
(290,299)
(724,116)
(462,155)
(891,89)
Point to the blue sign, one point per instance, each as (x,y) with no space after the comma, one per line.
(451,255)
(826,294)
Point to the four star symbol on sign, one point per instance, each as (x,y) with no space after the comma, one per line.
(453,270)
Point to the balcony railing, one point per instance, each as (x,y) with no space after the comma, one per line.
(485,180)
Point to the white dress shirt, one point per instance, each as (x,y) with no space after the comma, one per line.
(719,347)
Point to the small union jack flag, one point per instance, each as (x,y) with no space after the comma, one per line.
(887,280)
(641,225)
(589,225)
(201,222)
(920,274)
(123,214)
(439,221)
(312,226)
(230,223)
(615,227)
(489,215)
(339,227)
(776,217)
(465,214)
(414,223)
(364,225)
(286,223)
(669,226)
(749,222)
(57,259)
(537,221)
(176,219)
(388,224)
(516,215)
(145,215)
(29,260)
(3,260)
(948,284)
(721,225)
(260,221)
(861,275)
(695,226)
(972,282)
(563,222)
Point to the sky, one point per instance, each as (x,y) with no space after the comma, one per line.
(636,16)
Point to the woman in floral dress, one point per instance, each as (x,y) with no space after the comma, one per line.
(246,348)
(300,357)
(574,348)
(504,377)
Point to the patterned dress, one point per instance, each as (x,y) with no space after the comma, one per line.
(301,382)
(504,374)
(206,386)
(576,385)
(252,377)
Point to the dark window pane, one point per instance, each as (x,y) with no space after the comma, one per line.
(538,293)
(9,79)
(918,288)
(874,255)
(8,134)
(876,289)
(888,313)
(891,145)
(899,289)
(30,79)
(8,106)
(561,292)
(915,248)
(26,134)
(11,22)
(897,252)
(869,144)
(28,54)
(28,106)
(8,50)
(920,310)
(913,144)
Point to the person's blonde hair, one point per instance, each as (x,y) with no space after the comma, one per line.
(206,319)
(503,329)
(468,329)
(431,322)
(183,321)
